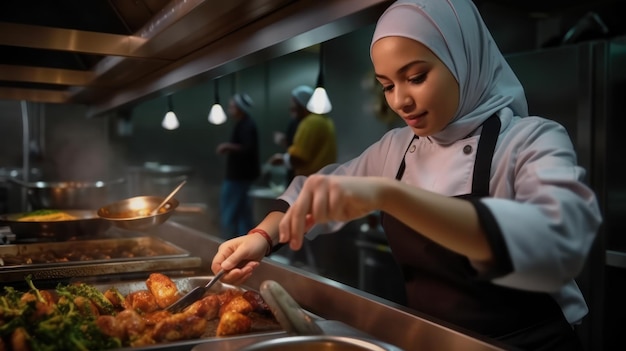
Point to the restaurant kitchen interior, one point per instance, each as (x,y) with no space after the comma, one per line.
(91,111)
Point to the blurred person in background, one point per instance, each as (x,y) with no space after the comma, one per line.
(314,142)
(299,98)
(242,168)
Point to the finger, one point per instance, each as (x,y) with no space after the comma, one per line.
(240,274)
(285,230)
(288,225)
(319,205)
(298,216)
(309,222)
(222,254)
(336,205)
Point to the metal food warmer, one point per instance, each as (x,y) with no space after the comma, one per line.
(185,254)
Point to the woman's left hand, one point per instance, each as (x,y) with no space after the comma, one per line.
(326,198)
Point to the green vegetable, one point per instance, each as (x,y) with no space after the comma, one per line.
(40,213)
(87,291)
(50,326)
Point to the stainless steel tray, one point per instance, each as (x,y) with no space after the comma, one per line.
(261,329)
(83,258)
(236,342)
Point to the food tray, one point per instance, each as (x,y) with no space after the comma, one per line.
(82,258)
(263,328)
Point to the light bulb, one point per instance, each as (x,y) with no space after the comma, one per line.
(217,114)
(170,122)
(319,102)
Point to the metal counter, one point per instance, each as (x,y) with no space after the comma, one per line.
(331,300)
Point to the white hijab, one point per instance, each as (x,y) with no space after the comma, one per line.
(455,32)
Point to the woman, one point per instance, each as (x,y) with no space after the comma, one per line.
(484,207)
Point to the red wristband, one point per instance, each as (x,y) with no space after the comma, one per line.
(267,238)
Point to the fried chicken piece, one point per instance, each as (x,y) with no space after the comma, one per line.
(179,326)
(155,317)
(28,297)
(109,326)
(208,307)
(227,295)
(126,324)
(86,306)
(19,340)
(131,322)
(232,323)
(42,308)
(142,340)
(141,300)
(236,304)
(258,303)
(115,298)
(163,288)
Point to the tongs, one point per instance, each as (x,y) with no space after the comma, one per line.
(194,295)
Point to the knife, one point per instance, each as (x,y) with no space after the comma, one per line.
(194,295)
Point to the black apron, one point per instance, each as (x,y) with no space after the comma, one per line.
(443,284)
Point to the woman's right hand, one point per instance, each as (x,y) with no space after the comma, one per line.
(239,257)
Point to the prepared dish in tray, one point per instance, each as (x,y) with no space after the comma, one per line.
(86,251)
(96,316)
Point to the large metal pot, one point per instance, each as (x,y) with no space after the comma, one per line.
(68,195)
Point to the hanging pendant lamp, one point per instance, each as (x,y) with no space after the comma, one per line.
(319,102)
(170,121)
(217,115)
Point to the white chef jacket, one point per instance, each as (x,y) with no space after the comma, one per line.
(548,217)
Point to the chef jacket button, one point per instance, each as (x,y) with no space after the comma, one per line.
(467,149)
(412,150)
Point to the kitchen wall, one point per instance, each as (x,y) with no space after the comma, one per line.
(117,144)
(350,84)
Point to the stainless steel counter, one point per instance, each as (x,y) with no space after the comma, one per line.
(331,300)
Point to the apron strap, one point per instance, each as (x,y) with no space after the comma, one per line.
(484,156)
(402,167)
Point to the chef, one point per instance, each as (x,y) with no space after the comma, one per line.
(485,207)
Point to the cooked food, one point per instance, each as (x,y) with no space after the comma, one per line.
(232,322)
(163,288)
(180,326)
(236,304)
(46,216)
(80,317)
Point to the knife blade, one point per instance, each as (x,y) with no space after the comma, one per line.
(194,295)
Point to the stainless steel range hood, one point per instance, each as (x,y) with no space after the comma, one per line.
(112,54)
(185,42)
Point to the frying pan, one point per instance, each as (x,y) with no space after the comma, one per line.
(68,194)
(87,223)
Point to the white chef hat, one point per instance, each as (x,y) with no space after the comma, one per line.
(302,94)
(244,102)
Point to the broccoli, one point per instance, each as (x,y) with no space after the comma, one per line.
(87,291)
(65,327)
(29,281)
